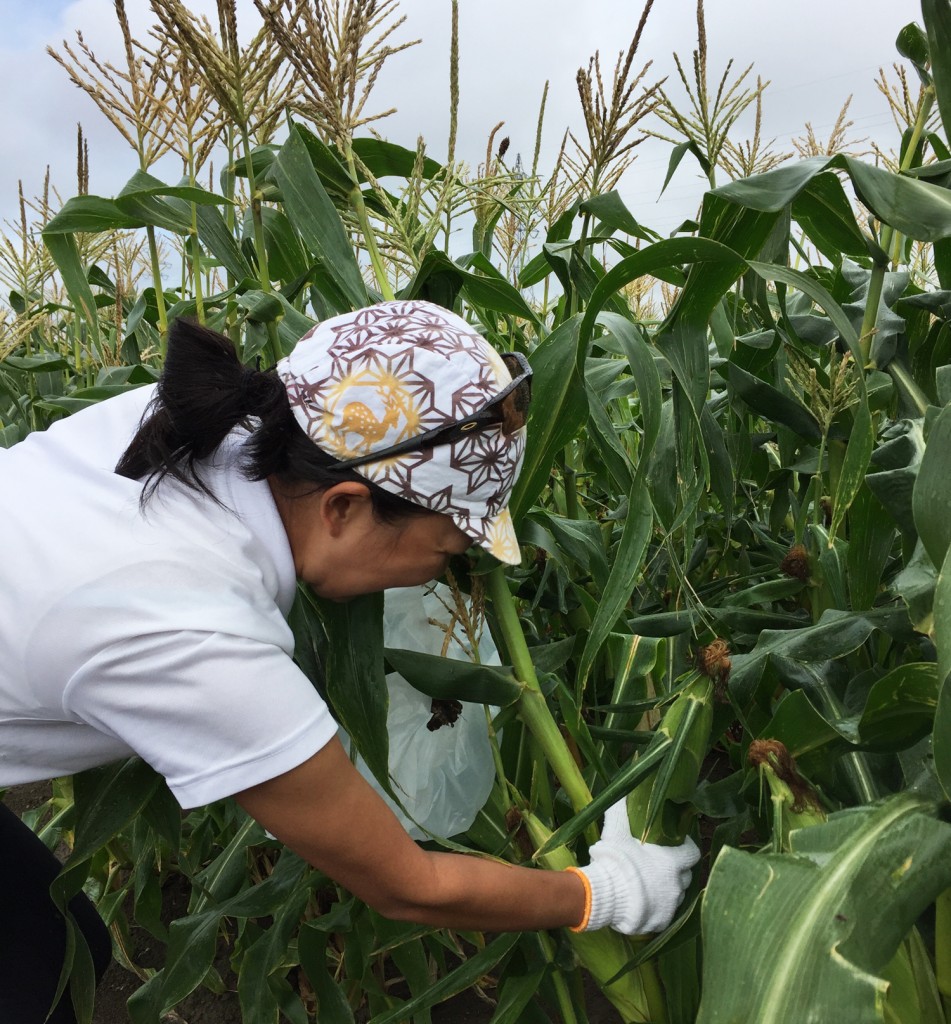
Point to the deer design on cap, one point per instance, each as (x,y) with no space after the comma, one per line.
(359,418)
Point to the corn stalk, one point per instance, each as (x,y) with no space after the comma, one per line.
(636,994)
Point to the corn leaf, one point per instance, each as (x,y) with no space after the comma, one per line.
(632,775)
(328,164)
(683,341)
(214,235)
(823,211)
(912,43)
(872,536)
(933,488)
(800,936)
(772,190)
(224,876)
(626,567)
(557,413)
(36,364)
(722,473)
(672,252)
(677,154)
(915,208)
(937,18)
(580,540)
(930,505)
(835,634)
(633,657)
(683,760)
(453,679)
(148,200)
(515,994)
(144,184)
(193,939)
(603,432)
(62,247)
(610,210)
(286,259)
(312,212)
(258,1000)
(942,633)
(772,404)
(91,214)
(486,290)
(384,158)
(454,982)
(857,456)
(900,707)
(818,294)
(646,377)
(356,684)
(333,1006)
(806,733)
(107,799)
(912,996)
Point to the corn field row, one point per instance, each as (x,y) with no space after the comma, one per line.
(734,606)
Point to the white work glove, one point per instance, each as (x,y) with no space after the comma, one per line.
(635,887)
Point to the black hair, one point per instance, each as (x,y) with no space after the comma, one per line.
(203,394)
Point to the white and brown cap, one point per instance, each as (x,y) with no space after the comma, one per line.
(364,381)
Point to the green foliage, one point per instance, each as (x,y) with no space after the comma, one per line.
(733,512)
(820,923)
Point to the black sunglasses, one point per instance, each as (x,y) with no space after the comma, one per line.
(509,407)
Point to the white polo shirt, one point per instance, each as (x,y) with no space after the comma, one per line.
(160,633)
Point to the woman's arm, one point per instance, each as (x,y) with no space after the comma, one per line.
(326,812)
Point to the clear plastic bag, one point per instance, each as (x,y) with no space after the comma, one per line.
(443,776)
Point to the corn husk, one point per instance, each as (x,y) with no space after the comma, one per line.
(658,808)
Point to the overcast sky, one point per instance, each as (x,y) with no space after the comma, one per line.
(815,52)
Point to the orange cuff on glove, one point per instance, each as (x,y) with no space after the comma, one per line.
(587,899)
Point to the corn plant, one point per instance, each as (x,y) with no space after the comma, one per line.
(732,512)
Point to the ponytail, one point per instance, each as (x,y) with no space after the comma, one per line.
(203,394)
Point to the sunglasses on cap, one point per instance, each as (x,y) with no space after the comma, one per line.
(508,408)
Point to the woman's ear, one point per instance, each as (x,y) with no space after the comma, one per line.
(344,505)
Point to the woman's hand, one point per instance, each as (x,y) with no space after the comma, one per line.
(635,887)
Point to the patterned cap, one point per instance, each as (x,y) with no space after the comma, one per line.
(364,381)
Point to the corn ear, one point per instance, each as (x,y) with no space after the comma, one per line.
(657,808)
(796,804)
(636,994)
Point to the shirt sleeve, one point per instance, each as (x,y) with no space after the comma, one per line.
(213,713)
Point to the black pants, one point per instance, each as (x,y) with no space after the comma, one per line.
(32,930)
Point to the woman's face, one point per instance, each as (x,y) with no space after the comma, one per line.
(342,550)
